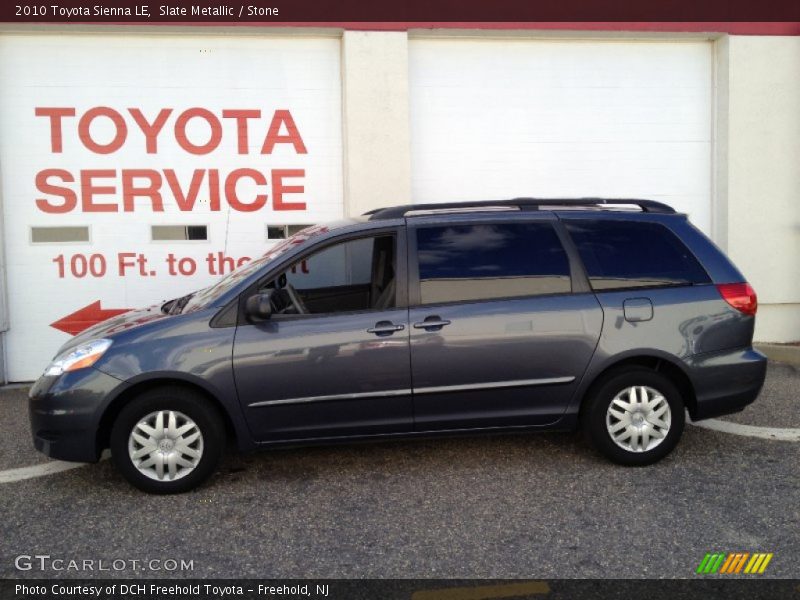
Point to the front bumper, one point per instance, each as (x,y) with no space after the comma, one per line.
(725,382)
(65,413)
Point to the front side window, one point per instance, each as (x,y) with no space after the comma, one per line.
(209,295)
(625,254)
(354,275)
(490,260)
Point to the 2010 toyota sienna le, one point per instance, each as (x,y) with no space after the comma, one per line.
(615,316)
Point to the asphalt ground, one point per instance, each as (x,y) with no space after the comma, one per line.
(516,506)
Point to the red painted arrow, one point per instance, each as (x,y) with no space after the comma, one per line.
(86,317)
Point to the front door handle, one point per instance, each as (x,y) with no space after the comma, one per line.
(384,328)
(432,323)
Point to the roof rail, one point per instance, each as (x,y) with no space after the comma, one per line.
(395,212)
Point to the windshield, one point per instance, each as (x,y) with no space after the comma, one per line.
(207,296)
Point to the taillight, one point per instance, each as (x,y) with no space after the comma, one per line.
(740,296)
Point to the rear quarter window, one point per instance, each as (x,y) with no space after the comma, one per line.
(627,254)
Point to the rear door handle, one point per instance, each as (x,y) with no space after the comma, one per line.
(433,323)
(384,328)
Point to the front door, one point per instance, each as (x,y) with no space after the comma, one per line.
(334,361)
(498,337)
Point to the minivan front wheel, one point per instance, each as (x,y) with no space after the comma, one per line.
(634,416)
(167,440)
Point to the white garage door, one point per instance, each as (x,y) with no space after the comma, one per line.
(138,168)
(499,119)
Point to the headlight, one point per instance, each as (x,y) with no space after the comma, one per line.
(79,357)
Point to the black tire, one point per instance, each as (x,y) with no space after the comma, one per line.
(193,405)
(595,414)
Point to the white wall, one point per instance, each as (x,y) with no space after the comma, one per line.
(153,72)
(755,140)
(3,291)
(763,175)
(376,130)
(751,154)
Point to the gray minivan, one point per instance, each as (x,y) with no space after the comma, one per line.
(615,316)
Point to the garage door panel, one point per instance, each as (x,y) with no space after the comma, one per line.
(504,118)
(152,73)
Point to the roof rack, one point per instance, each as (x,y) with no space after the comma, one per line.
(395,212)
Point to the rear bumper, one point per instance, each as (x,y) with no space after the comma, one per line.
(725,382)
(65,413)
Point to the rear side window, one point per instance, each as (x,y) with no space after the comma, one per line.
(490,260)
(625,254)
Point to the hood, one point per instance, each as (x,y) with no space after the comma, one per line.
(123,322)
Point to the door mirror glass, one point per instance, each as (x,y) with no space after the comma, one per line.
(259,305)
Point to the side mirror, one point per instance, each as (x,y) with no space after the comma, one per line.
(259,306)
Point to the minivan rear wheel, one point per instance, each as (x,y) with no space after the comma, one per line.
(634,416)
(167,440)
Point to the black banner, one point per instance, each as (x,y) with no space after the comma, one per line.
(421,12)
(714,588)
